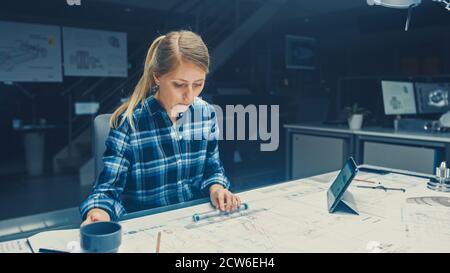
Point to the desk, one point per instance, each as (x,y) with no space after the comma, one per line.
(292,217)
(315,148)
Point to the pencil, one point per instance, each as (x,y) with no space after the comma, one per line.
(158,242)
(46,250)
(362,180)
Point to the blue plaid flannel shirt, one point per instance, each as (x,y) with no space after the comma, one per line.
(158,164)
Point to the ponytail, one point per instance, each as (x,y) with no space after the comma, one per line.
(146,82)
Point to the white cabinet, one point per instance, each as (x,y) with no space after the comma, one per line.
(403,157)
(313,150)
(314,155)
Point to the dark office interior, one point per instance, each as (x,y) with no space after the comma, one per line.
(353,47)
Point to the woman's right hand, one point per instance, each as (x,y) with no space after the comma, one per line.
(96,215)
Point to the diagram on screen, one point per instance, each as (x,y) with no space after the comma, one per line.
(91,52)
(438,98)
(114,41)
(398,97)
(83,60)
(25,52)
(395,103)
(433,97)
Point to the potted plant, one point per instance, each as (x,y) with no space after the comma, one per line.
(355,116)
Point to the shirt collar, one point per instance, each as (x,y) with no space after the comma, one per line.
(153,105)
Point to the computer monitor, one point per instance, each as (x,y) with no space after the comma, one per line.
(432,98)
(398,98)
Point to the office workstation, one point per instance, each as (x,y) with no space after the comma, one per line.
(211,127)
(413,144)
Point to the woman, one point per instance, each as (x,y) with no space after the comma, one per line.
(153,157)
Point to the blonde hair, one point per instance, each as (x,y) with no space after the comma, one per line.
(164,54)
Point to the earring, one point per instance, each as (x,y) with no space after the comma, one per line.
(155,88)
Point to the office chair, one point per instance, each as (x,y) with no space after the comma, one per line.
(101,132)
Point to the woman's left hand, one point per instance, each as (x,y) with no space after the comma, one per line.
(223,199)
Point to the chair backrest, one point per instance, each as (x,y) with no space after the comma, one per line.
(101,132)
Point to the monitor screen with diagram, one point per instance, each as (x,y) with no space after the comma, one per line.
(398,98)
(432,98)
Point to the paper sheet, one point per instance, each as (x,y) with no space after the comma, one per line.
(427,227)
(16,246)
(60,240)
(291,217)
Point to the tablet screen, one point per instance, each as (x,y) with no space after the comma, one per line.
(341,183)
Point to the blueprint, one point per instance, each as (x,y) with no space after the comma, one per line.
(89,52)
(30,53)
(293,217)
(428,226)
(15,246)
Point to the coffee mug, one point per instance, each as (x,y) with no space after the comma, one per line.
(101,237)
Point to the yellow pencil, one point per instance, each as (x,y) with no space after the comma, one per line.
(158,242)
(362,180)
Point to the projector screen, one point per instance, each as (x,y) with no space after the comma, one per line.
(94,53)
(30,52)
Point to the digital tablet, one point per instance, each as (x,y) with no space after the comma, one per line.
(337,189)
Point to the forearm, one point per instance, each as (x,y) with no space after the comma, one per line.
(215,187)
(102,202)
(96,211)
